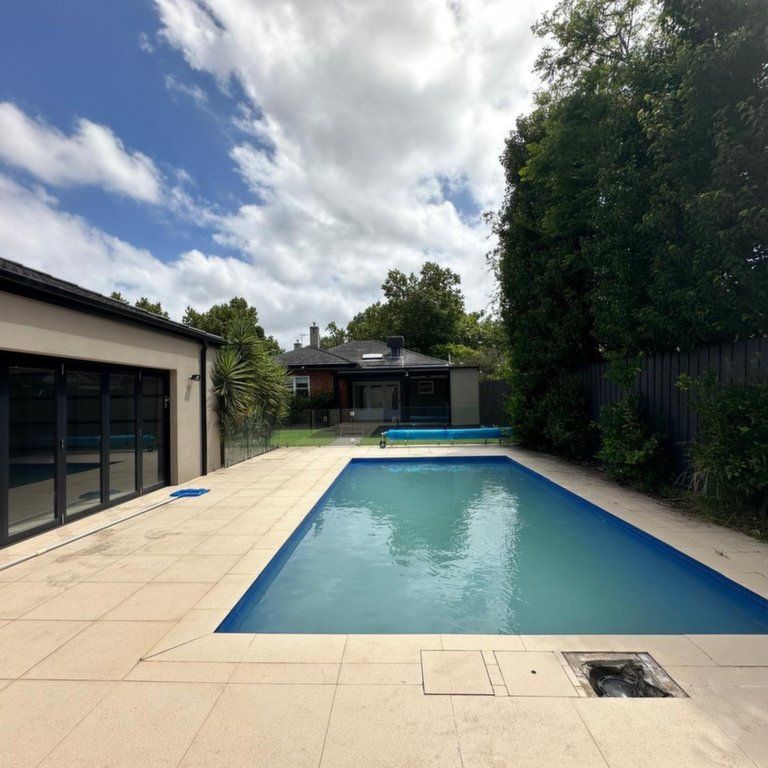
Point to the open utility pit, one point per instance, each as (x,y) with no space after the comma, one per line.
(623,675)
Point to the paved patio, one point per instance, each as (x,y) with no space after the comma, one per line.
(108,657)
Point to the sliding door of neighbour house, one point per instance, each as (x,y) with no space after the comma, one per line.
(76,437)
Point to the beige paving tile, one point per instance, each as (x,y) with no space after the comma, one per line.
(195,624)
(20,597)
(225,545)
(735,650)
(718,677)
(285,726)
(38,714)
(220,647)
(250,524)
(226,592)
(138,724)
(286,674)
(301,649)
(742,714)
(181,672)
(253,562)
(658,733)
(390,726)
(455,672)
(106,650)
(500,732)
(380,674)
(169,543)
(84,601)
(389,649)
(159,602)
(666,649)
(482,643)
(137,568)
(494,673)
(198,568)
(24,643)
(534,673)
(69,568)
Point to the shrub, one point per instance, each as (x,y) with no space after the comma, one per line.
(631,450)
(729,456)
(553,418)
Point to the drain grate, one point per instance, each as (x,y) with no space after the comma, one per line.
(622,675)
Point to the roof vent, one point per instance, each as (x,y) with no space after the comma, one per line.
(395,344)
(373,356)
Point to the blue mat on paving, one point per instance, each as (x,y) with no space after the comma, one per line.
(184,492)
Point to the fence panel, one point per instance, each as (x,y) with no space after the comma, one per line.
(737,363)
(493,400)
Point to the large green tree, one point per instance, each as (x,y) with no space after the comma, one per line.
(220,317)
(636,213)
(426,308)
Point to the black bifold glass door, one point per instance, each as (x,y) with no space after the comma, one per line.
(75,437)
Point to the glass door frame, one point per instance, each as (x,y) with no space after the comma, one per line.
(61,366)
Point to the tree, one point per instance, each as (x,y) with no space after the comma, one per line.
(117,296)
(155,307)
(333,336)
(426,309)
(636,212)
(220,317)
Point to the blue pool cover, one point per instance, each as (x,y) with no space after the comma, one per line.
(475,433)
(481,545)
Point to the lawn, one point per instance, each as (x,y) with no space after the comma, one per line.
(290,438)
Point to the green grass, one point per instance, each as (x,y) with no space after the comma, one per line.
(291,438)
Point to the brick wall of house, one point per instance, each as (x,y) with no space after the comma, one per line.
(344,399)
(320,381)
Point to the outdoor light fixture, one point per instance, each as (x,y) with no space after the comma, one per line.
(195,377)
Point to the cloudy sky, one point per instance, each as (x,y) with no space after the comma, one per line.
(288,152)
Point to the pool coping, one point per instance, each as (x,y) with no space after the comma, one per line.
(204,644)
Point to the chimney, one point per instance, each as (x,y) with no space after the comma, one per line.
(296,345)
(395,344)
(314,335)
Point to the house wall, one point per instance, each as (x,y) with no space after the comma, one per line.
(320,382)
(35,327)
(465,396)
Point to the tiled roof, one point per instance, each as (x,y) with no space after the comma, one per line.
(354,351)
(312,356)
(18,278)
(351,355)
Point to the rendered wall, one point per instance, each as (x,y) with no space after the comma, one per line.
(35,327)
(465,396)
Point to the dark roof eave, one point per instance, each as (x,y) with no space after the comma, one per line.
(96,304)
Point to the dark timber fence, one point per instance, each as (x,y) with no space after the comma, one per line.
(737,363)
(493,399)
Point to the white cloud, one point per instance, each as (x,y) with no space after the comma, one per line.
(36,233)
(194,92)
(145,43)
(357,117)
(91,155)
(364,108)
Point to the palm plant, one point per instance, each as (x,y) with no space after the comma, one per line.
(250,384)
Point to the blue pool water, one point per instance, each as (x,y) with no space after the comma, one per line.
(480,545)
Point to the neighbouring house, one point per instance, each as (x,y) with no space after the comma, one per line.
(384,383)
(99,402)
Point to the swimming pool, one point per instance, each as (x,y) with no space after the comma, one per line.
(480,545)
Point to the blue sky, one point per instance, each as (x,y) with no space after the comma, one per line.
(191,151)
